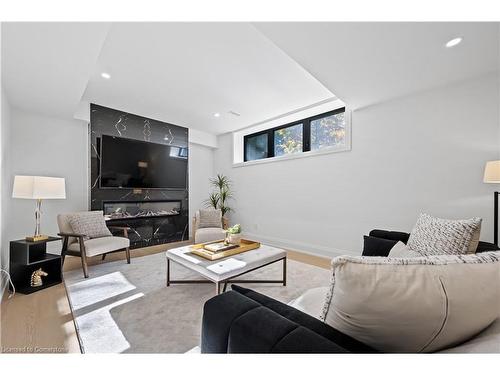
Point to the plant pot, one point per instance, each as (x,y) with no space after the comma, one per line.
(234,239)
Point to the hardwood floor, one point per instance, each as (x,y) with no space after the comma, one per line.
(42,322)
(314,260)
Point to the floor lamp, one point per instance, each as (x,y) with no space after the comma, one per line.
(492,176)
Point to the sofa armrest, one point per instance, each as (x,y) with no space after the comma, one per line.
(305,320)
(218,315)
(235,323)
(380,242)
(486,246)
(390,235)
(261,330)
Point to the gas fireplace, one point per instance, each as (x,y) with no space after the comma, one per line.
(137,209)
(151,222)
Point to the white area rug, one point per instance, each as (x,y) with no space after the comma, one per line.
(126,308)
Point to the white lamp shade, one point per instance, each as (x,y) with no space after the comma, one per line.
(492,172)
(39,187)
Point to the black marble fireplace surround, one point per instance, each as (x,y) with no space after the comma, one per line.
(155,216)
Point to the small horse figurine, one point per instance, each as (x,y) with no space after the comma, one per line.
(36,277)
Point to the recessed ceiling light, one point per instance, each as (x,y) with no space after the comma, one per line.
(105,75)
(217,114)
(453,42)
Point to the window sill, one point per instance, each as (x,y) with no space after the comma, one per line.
(300,155)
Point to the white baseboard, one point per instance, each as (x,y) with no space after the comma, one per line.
(318,250)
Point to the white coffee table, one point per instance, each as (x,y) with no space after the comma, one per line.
(222,271)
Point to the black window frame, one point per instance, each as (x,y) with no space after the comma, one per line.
(245,140)
(306,134)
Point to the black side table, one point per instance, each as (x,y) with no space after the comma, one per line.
(27,257)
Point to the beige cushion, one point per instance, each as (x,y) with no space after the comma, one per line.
(400,250)
(419,304)
(210,219)
(102,245)
(435,236)
(311,302)
(488,341)
(209,234)
(91,224)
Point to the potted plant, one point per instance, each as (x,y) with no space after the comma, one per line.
(219,198)
(233,234)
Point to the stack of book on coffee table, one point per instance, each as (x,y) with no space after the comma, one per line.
(220,249)
(216,247)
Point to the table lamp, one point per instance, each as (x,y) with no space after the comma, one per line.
(492,176)
(38,188)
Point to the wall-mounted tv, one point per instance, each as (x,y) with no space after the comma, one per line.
(129,163)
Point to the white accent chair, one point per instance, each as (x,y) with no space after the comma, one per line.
(201,235)
(76,244)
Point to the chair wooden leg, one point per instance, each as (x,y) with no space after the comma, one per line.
(64,250)
(103,256)
(127,249)
(85,267)
(83,255)
(127,254)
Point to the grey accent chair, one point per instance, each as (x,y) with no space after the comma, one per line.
(75,243)
(201,235)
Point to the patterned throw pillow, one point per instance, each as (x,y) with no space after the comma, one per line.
(91,224)
(210,219)
(435,236)
(410,305)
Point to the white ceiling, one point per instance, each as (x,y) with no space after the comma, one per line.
(46,66)
(367,63)
(185,72)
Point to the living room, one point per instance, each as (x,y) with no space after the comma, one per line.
(237,187)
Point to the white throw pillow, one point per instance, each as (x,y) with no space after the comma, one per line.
(413,305)
(400,250)
(435,236)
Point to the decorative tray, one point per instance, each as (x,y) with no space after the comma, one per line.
(245,245)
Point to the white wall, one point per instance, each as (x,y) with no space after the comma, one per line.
(46,146)
(202,138)
(421,153)
(201,164)
(4,186)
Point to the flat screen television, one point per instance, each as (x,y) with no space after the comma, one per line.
(129,163)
